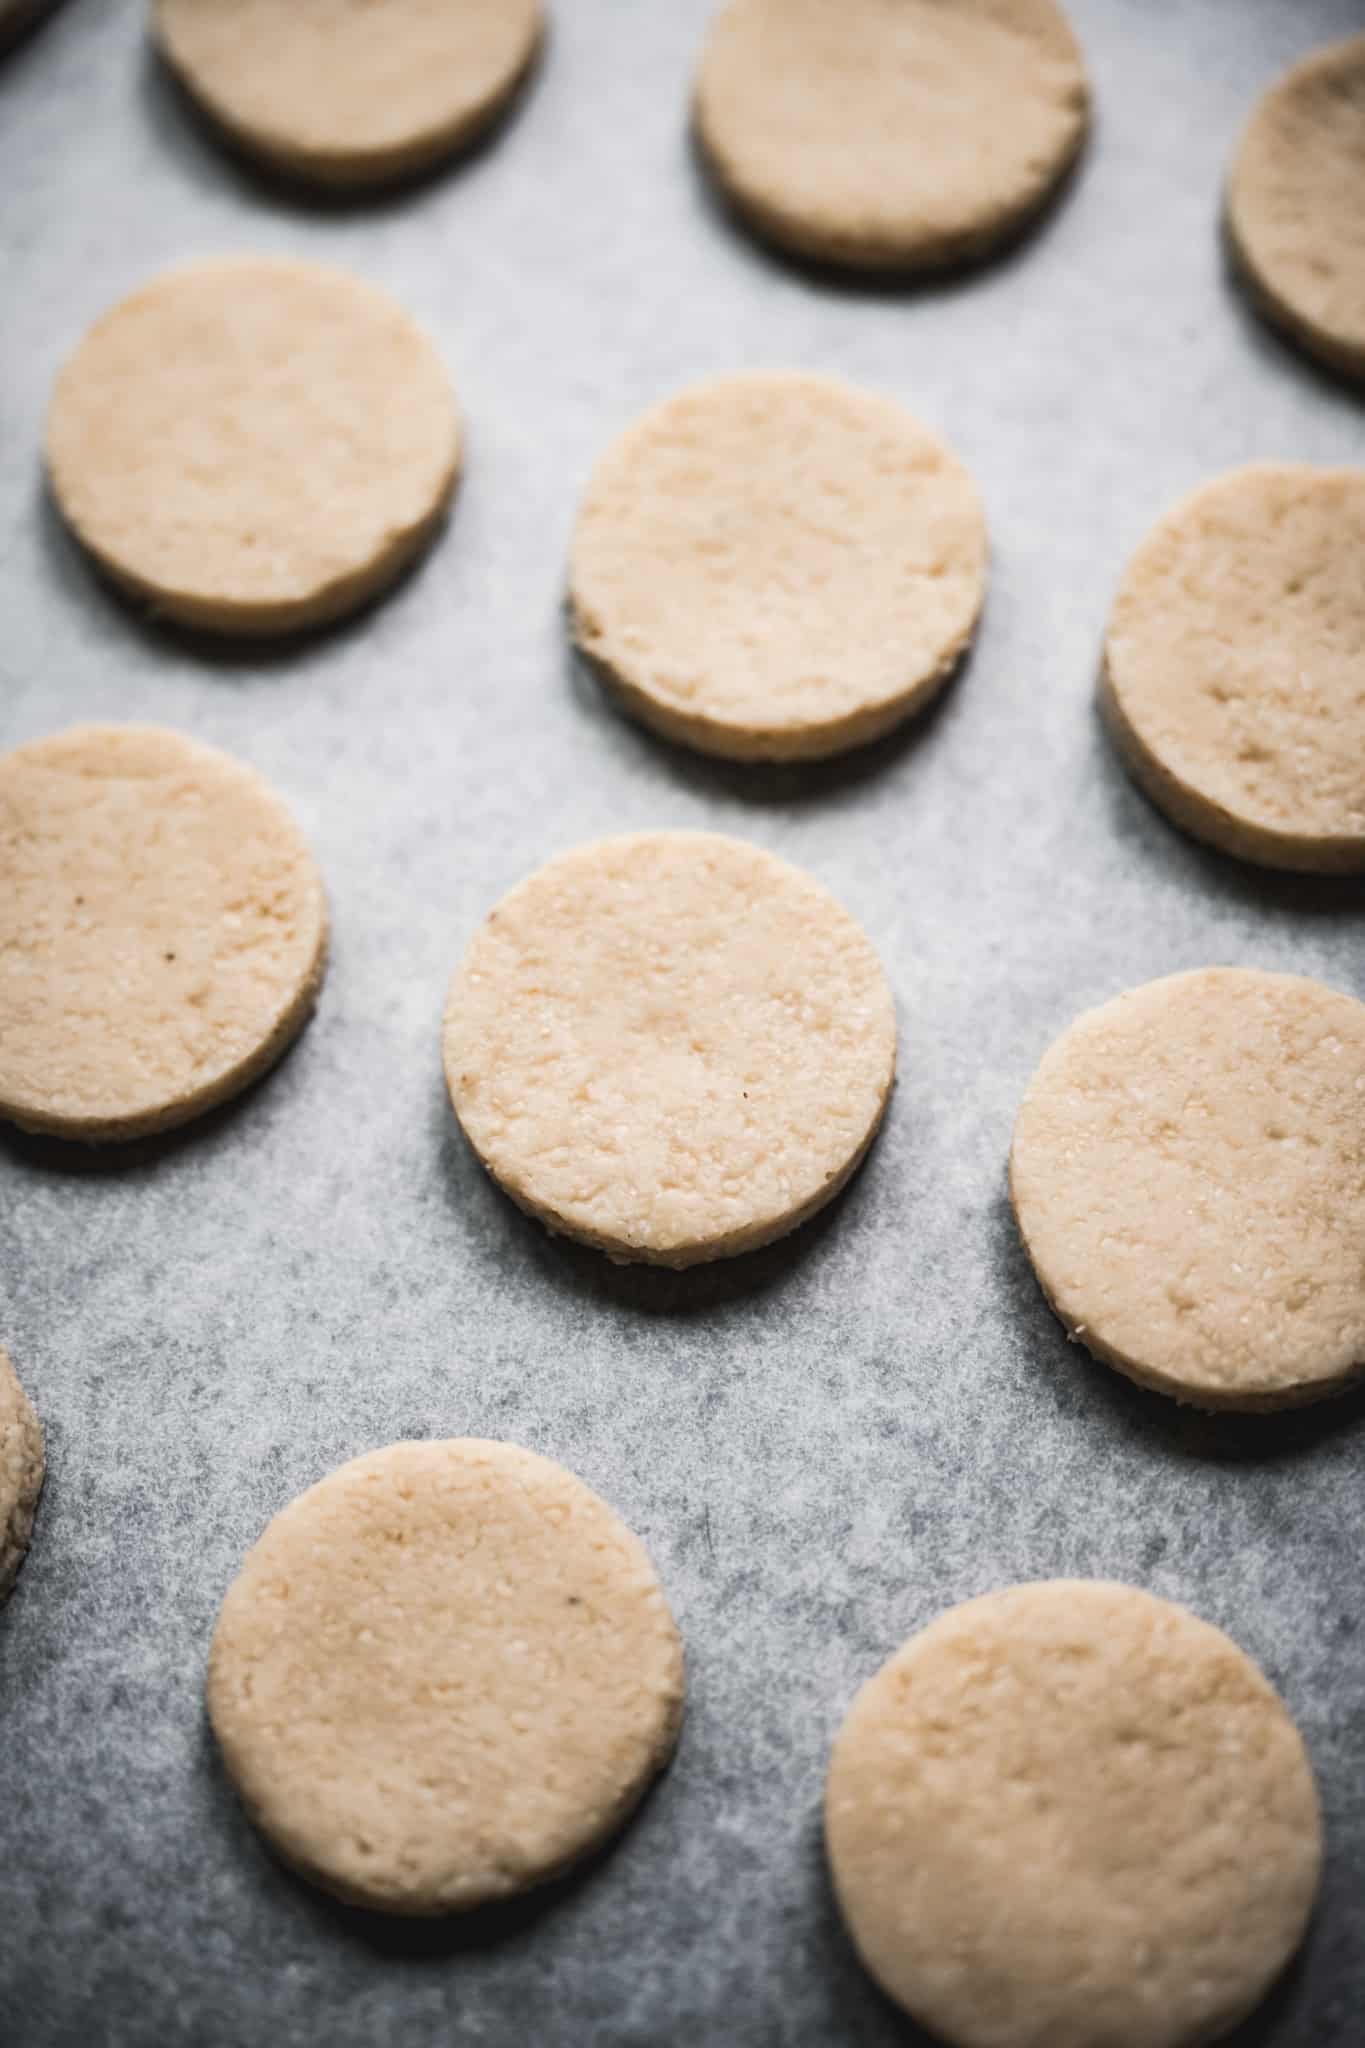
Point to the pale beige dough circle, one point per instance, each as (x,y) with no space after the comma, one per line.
(730,536)
(1234,673)
(163,930)
(1071,1814)
(1296,203)
(890,134)
(1188,1174)
(22,1466)
(444,1674)
(670,1045)
(253,444)
(344,92)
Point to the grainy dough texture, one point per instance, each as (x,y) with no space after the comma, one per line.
(253,444)
(1234,675)
(1296,203)
(671,1045)
(777,565)
(1188,1173)
(163,930)
(1070,1815)
(346,92)
(444,1674)
(890,134)
(22,1466)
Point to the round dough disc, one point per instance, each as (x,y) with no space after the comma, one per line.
(729,536)
(890,134)
(163,931)
(22,1466)
(1071,1813)
(1295,213)
(253,444)
(1234,677)
(1186,1174)
(444,1674)
(346,95)
(670,1045)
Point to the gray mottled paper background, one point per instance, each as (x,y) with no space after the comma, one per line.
(824,1445)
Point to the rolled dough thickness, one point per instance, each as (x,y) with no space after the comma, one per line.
(777,565)
(1295,204)
(22,1466)
(1070,1815)
(349,95)
(1188,1174)
(890,134)
(253,444)
(444,1674)
(670,1045)
(163,931)
(1234,674)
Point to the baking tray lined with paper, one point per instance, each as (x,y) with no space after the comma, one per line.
(824,1443)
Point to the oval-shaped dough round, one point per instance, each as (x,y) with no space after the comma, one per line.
(444,1674)
(254,444)
(1234,674)
(730,536)
(890,134)
(163,931)
(1188,1174)
(1070,1814)
(670,1045)
(22,1466)
(1295,210)
(346,95)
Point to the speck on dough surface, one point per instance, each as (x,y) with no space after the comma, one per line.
(671,1045)
(890,134)
(444,1674)
(1188,1174)
(1234,675)
(344,92)
(22,1466)
(777,565)
(163,930)
(1071,1815)
(1294,209)
(253,444)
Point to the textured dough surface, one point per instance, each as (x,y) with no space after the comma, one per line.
(890,133)
(1235,665)
(1070,1815)
(163,930)
(22,1466)
(345,92)
(729,536)
(671,1045)
(444,1673)
(253,444)
(1296,203)
(1188,1173)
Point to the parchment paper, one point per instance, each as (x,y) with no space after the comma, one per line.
(824,1445)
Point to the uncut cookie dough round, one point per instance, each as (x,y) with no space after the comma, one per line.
(1187,1177)
(347,95)
(890,134)
(1071,1813)
(444,1674)
(729,537)
(163,931)
(22,1466)
(670,1045)
(253,445)
(1295,215)
(1233,666)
